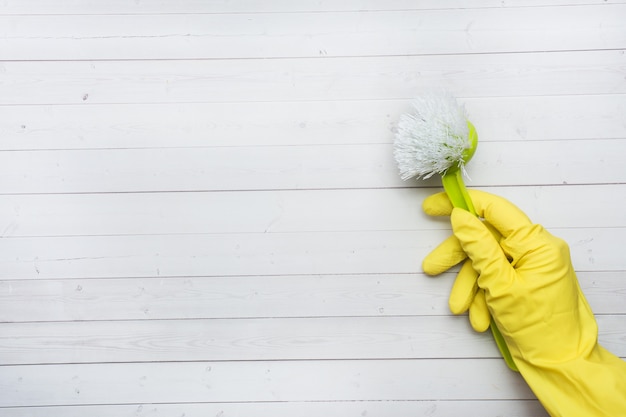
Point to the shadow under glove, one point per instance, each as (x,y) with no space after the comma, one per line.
(526,282)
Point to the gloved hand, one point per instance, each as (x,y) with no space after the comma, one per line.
(525,281)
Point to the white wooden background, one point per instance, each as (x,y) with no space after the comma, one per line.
(201,216)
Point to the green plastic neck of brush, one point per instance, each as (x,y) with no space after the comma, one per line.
(457,193)
(454,186)
(453,178)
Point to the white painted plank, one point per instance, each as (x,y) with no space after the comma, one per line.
(216,254)
(266,35)
(260,254)
(546,118)
(39,215)
(298,167)
(222,168)
(260,6)
(237,296)
(605,292)
(482,75)
(559,162)
(245,339)
(433,408)
(375,295)
(297,123)
(137,383)
(332,338)
(217,124)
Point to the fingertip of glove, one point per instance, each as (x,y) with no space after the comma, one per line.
(433,266)
(480,318)
(437,205)
(457,307)
(429,268)
(479,326)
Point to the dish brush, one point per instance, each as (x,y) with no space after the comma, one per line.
(438,139)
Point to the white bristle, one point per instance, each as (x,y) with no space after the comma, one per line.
(432,138)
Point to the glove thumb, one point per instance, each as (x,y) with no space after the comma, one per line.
(483,249)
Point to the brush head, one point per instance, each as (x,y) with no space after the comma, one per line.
(434,138)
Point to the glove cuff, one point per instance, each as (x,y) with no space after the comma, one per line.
(593,385)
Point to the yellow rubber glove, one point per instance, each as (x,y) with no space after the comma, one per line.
(531,291)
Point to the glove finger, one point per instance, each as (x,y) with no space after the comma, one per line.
(505,216)
(487,256)
(437,205)
(464,289)
(443,257)
(479,315)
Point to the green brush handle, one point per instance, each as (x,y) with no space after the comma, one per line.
(457,193)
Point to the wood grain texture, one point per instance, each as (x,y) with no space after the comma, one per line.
(419,408)
(64,7)
(243,35)
(167,382)
(285,211)
(200,213)
(290,79)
